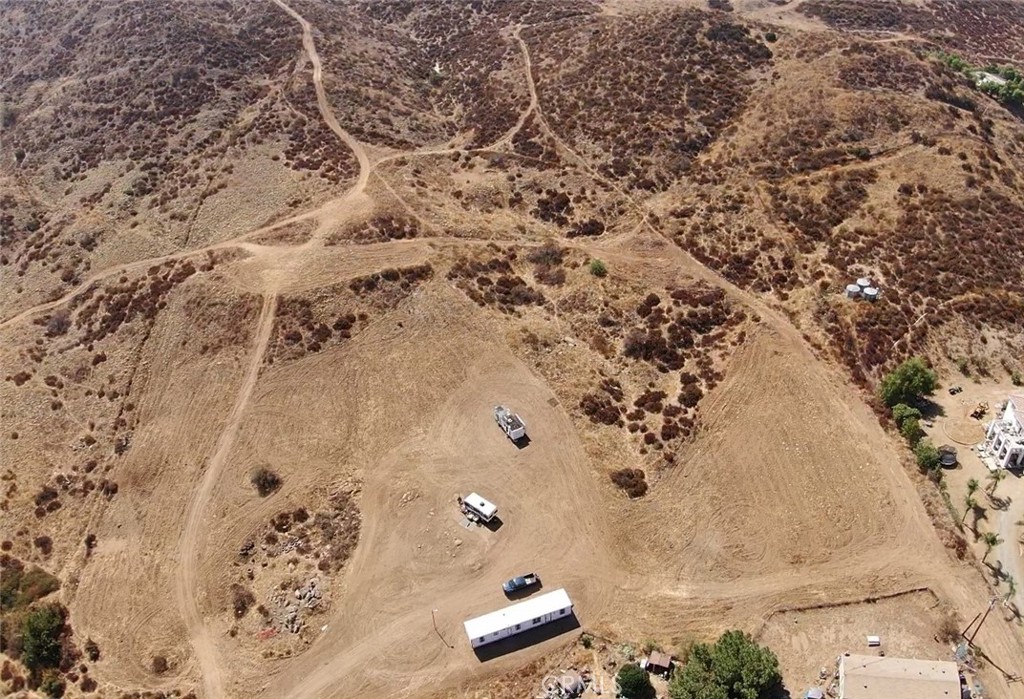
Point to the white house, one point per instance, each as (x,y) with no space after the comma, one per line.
(879,677)
(1004,439)
(518,618)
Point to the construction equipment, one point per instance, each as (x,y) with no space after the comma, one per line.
(510,423)
(980,410)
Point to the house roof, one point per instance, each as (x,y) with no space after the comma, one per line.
(874,677)
(518,613)
(1018,403)
(658,659)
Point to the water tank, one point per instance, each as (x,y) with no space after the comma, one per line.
(852,291)
(871,293)
(863,282)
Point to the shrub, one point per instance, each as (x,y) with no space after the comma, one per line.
(949,629)
(20,588)
(159,664)
(633,682)
(598,268)
(907,383)
(52,685)
(241,600)
(927,455)
(632,480)
(732,668)
(58,324)
(265,481)
(92,650)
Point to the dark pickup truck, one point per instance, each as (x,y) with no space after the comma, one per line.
(520,583)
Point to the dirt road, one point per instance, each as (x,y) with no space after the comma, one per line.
(188,595)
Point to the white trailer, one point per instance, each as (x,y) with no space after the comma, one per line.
(476,506)
(510,423)
(518,618)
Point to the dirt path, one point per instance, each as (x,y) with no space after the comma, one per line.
(187,589)
(149,262)
(321,98)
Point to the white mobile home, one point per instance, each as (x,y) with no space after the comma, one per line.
(518,618)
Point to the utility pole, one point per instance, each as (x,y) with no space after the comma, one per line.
(970,641)
(433,618)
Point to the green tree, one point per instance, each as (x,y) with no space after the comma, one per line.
(633,682)
(991,540)
(927,455)
(598,268)
(969,504)
(1011,588)
(908,382)
(911,431)
(735,667)
(902,412)
(41,634)
(994,479)
(972,486)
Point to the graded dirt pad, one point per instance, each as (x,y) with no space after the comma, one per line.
(350,320)
(409,416)
(778,447)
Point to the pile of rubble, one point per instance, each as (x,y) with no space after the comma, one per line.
(308,597)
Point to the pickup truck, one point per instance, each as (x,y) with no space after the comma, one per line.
(520,583)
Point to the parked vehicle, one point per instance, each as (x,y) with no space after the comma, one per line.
(477,508)
(520,583)
(510,423)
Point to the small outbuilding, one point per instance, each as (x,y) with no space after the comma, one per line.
(659,663)
(814,693)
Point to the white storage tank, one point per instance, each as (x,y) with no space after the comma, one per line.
(852,291)
(864,282)
(871,293)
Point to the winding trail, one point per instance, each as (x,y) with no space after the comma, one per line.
(321,98)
